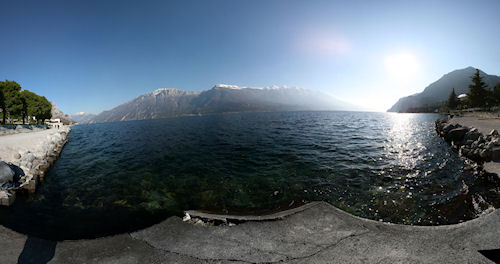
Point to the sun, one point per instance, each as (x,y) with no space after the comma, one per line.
(401,66)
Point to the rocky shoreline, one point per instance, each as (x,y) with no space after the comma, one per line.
(28,165)
(469,142)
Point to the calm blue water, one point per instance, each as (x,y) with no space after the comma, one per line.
(117,177)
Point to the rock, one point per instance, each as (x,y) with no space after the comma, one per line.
(7,198)
(31,186)
(495,153)
(187,217)
(489,146)
(44,166)
(493,132)
(456,134)
(6,173)
(29,157)
(35,164)
(447,128)
(472,134)
(483,154)
(465,152)
(17,156)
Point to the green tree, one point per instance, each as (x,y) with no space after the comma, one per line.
(496,94)
(9,98)
(452,100)
(477,95)
(24,108)
(44,109)
(30,103)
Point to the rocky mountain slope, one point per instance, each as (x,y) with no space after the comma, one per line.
(440,90)
(57,113)
(169,102)
(165,102)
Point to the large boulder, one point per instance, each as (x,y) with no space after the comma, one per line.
(456,134)
(448,127)
(493,132)
(495,153)
(472,134)
(6,173)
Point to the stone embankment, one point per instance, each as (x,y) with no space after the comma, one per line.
(25,158)
(470,142)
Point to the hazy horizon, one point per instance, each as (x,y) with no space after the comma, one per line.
(92,56)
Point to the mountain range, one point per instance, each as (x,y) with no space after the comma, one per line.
(82,117)
(222,98)
(440,90)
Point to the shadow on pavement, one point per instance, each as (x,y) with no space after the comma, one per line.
(37,250)
(493,254)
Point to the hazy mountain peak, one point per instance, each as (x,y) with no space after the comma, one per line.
(269,87)
(82,117)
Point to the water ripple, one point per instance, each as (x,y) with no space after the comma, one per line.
(118,177)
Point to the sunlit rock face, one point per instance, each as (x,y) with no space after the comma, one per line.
(57,113)
(440,90)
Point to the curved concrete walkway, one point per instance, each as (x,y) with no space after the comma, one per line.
(315,233)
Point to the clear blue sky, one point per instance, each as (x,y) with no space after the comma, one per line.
(93,55)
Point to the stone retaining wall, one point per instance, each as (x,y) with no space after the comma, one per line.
(29,166)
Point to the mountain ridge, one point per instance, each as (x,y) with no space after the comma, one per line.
(440,89)
(221,98)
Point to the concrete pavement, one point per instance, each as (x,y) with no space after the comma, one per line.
(317,233)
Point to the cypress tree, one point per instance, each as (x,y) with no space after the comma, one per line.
(496,94)
(477,95)
(452,100)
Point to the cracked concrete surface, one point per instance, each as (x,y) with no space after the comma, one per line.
(320,233)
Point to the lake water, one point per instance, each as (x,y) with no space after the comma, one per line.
(120,177)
